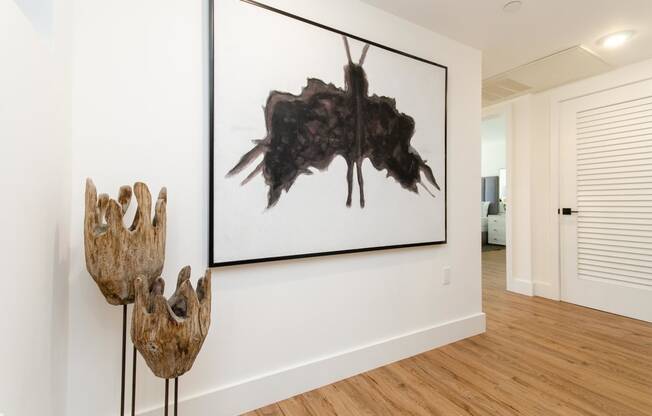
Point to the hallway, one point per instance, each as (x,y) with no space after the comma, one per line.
(538,357)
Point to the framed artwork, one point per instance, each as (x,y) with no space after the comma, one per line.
(321,142)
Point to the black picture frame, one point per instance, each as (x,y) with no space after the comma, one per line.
(211,81)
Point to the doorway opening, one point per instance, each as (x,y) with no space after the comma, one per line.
(494,189)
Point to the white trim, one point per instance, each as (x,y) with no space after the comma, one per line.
(553,289)
(505,109)
(545,290)
(615,79)
(256,392)
(521,286)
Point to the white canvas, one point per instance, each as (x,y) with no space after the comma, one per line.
(257,51)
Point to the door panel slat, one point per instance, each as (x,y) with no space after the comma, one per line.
(614,107)
(628,267)
(627,159)
(637,141)
(626,245)
(615,253)
(639,109)
(624,126)
(639,180)
(642,266)
(640,130)
(615,273)
(608,277)
(644,115)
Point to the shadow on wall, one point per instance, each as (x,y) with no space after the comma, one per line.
(39,13)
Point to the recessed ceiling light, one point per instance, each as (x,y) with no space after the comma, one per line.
(616,40)
(512,6)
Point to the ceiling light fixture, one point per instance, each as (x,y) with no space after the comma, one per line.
(512,6)
(616,40)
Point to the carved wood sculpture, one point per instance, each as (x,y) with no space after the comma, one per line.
(115,255)
(170,333)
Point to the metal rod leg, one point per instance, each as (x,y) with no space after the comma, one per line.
(167,392)
(133,384)
(176,394)
(124,353)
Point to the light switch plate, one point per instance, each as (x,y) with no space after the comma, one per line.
(446,277)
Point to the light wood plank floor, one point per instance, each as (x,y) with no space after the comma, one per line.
(538,357)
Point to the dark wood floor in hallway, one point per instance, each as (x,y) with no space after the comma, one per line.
(538,357)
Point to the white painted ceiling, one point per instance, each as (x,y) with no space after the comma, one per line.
(540,28)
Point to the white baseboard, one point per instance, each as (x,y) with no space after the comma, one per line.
(546,290)
(247,395)
(522,286)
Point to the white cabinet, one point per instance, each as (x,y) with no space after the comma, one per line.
(496,229)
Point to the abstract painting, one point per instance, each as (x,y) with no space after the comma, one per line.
(324,121)
(320,134)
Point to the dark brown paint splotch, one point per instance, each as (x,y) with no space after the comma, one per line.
(309,130)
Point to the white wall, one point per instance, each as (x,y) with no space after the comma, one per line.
(34,178)
(494,145)
(131,106)
(520,197)
(541,210)
(139,113)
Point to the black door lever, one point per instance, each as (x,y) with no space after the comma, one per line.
(568,211)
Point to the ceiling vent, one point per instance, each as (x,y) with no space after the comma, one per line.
(495,90)
(549,72)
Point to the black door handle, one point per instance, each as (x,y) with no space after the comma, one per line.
(568,211)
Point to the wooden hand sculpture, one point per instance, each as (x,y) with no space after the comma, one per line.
(170,333)
(115,255)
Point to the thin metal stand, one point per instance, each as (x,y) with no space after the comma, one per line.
(133,384)
(124,352)
(167,392)
(124,368)
(133,376)
(176,394)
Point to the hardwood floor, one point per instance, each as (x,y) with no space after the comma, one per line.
(538,357)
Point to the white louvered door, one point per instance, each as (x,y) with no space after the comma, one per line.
(606,180)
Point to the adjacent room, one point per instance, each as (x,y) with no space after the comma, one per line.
(270,207)
(494,182)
